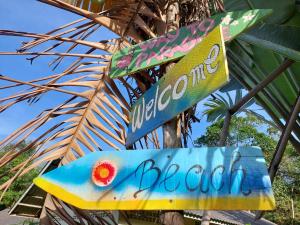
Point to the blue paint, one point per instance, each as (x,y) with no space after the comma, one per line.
(227,172)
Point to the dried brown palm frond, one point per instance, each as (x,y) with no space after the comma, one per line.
(88,120)
(93,112)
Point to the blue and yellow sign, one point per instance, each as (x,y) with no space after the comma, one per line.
(219,178)
(202,71)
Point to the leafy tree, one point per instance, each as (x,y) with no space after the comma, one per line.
(19,186)
(244,131)
(252,131)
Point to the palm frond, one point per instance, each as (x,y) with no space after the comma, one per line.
(217,107)
(96,115)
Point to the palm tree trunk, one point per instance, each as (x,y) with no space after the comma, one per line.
(171,129)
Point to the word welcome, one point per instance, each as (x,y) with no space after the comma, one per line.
(200,72)
(170,93)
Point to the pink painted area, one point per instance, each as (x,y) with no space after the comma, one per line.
(226,33)
(124,61)
(197,32)
(168,38)
(169,45)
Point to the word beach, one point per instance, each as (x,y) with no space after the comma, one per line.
(211,178)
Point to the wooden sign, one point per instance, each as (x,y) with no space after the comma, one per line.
(178,43)
(220,178)
(202,71)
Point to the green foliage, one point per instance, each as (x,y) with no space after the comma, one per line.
(254,131)
(218,105)
(211,137)
(280,39)
(243,131)
(252,58)
(282,10)
(19,186)
(283,196)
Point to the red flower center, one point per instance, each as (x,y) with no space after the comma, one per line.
(103,173)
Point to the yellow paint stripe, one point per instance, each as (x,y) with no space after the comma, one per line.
(222,203)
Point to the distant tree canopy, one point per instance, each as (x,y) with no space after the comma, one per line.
(251,131)
(19,186)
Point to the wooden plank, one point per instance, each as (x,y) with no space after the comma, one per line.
(202,71)
(176,44)
(217,178)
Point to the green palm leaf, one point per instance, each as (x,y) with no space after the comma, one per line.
(281,39)
(262,50)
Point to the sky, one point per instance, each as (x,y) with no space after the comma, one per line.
(33,16)
(37,17)
(30,16)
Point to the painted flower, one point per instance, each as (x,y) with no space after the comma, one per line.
(235,23)
(248,18)
(226,20)
(103,173)
(124,61)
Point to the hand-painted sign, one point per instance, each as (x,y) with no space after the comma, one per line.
(176,44)
(202,71)
(219,178)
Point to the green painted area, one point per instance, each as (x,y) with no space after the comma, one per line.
(176,44)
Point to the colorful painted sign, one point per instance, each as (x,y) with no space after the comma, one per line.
(202,71)
(176,44)
(219,178)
